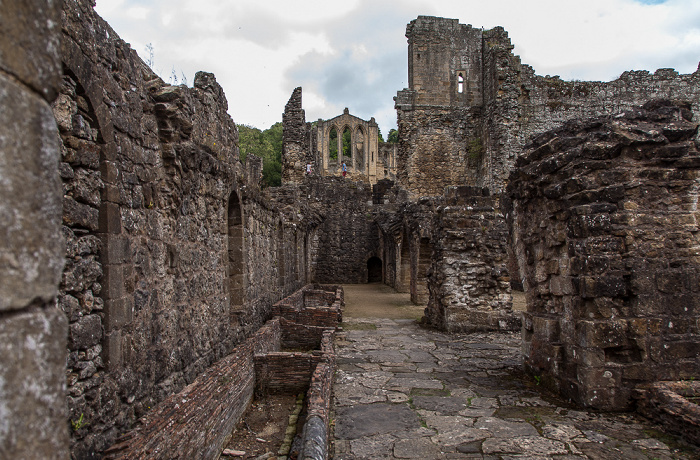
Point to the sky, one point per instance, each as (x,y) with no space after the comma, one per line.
(354,53)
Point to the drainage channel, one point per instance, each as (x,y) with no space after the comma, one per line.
(269,429)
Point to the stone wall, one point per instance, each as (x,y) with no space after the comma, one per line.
(348,236)
(34,422)
(469,281)
(471,134)
(296,152)
(173,251)
(603,223)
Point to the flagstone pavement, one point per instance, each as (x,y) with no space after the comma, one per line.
(406,392)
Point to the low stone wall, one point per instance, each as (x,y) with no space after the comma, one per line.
(603,224)
(469,284)
(196,422)
(668,404)
(301,337)
(313,305)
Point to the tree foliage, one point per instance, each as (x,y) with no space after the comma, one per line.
(267,145)
(393,136)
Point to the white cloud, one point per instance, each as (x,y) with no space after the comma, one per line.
(354,53)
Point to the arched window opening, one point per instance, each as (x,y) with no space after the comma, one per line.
(374,270)
(404,275)
(333,144)
(460,83)
(236,254)
(359,142)
(347,146)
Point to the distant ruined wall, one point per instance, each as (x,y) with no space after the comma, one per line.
(34,422)
(308,145)
(471,105)
(348,237)
(296,152)
(172,248)
(603,222)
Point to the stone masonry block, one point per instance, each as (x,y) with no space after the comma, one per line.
(602,334)
(32,376)
(110,218)
(30,35)
(31,246)
(113,282)
(113,350)
(118,313)
(86,332)
(546,329)
(115,249)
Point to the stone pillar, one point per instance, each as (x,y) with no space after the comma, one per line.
(33,332)
(294,148)
(468,283)
(604,227)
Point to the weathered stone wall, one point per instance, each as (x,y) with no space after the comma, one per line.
(296,152)
(172,250)
(307,145)
(469,282)
(520,104)
(34,422)
(603,223)
(473,137)
(348,237)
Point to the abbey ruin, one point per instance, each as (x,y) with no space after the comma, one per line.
(138,252)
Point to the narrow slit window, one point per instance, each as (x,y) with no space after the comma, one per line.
(460,83)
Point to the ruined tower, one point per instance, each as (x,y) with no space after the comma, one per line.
(471,105)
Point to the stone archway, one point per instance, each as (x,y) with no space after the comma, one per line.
(374,270)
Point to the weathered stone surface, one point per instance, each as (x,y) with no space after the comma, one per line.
(32,384)
(373,419)
(471,105)
(30,34)
(30,239)
(415,448)
(604,242)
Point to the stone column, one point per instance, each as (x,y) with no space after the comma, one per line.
(33,331)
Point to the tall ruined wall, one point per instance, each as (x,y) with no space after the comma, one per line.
(438,147)
(469,282)
(520,104)
(473,137)
(33,331)
(295,141)
(171,254)
(603,223)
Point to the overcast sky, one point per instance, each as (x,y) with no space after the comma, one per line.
(353,53)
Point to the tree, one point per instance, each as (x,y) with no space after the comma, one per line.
(379,131)
(393,136)
(266,145)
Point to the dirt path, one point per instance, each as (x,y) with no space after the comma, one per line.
(379,301)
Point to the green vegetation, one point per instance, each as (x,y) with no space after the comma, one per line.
(347,152)
(266,145)
(333,144)
(393,136)
(78,424)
